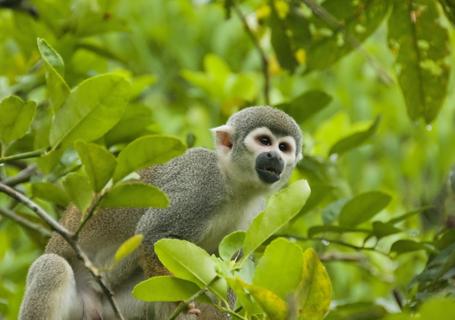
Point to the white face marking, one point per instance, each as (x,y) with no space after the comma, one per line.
(263,140)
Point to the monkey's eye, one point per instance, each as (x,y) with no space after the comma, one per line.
(264,140)
(284,147)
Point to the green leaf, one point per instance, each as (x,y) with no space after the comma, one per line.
(381,229)
(99,164)
(164,288)
(421,46)
(315,291)
(57,88)
(449,9)
(128,247)
(146,151)
(134,195)
(354,140)
(189,262)
(281,208)
(133,124)
(405,246)
(78,188)
(16,117)
(231,244)
(91,109)
(50,192)
(280,40)
(275,307)
(441,308)
(357,21)
(280,268)
(306,105)
(358,311)
(362,208)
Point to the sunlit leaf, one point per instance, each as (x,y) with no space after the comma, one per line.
(134,195)
(281,208)
(315,291)
(231,244)
(146,151)
(128,247)
(164,288)
(280,268)
(189,262)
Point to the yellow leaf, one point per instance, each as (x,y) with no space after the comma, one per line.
(128,247)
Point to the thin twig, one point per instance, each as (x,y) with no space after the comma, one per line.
(338,242)
(260,50)
(69,238)
(25,155)
(91,210)
(337,25)
(21,177)
(184,304)
(24,222)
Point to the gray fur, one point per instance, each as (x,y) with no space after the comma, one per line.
(210,196)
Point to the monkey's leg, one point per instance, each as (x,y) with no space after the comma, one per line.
(51,292)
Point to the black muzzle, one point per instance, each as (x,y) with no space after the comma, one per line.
(269,166)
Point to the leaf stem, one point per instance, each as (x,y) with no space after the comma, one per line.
(25,155)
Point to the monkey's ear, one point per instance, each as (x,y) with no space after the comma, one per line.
(223,137)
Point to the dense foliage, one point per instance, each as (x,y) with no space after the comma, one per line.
(93,90)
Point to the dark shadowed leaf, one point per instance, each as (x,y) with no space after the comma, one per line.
(306,105)
(404,246)
(357,311)
(50,192)
(357,20)
(362,208)
(421,47)
(354,140)
(280,40)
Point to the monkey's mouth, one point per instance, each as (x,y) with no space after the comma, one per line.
(268,175)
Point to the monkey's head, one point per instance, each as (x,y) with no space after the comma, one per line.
(259,147)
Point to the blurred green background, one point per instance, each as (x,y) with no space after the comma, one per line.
(192,66)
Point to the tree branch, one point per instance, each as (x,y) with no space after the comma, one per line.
(21,177)
(260,50)
(69,238)
(24,222)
